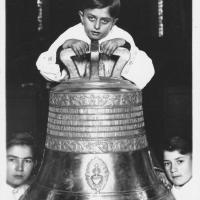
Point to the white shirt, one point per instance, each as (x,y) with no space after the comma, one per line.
(186,192)
(10,193)
(138,70)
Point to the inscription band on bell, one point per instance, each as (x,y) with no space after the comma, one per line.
(103,145)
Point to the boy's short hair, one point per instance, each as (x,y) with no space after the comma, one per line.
(22,138)
(177,143)
(114,6)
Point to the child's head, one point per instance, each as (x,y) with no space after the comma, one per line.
(113,6)
(21,159)
(177,154)
(99,16)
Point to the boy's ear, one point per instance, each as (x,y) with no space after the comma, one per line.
(81,15)
(115,21)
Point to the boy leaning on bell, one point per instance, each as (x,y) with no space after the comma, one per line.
(98,22)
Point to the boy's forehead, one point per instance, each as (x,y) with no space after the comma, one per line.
(20,151)
(172,155)
(99,12)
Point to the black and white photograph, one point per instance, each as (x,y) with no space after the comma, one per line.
(100,99)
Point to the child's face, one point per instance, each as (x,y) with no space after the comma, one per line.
(178,167)
(19,164)
(97,22)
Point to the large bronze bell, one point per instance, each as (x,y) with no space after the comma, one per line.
(96,147)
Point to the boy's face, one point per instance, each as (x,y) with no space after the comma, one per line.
(178,167)
(19,164)
(97,22)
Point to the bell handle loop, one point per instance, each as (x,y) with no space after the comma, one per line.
(94,60)
(124,56)
(66,57)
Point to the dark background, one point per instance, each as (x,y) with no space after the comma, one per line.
(166,99)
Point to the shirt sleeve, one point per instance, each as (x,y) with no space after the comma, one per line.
(49,69)
(46,62)
(139,69)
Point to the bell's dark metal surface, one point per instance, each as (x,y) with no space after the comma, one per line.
(96,147)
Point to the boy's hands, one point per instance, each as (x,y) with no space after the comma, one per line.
(78,46)
(109,46)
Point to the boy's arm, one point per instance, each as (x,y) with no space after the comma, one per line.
(139,69)
(49,69)
(47,61)
(108,47)
(78,46)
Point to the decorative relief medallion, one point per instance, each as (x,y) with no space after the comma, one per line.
(97,174)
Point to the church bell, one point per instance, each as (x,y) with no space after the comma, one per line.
(96,147)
